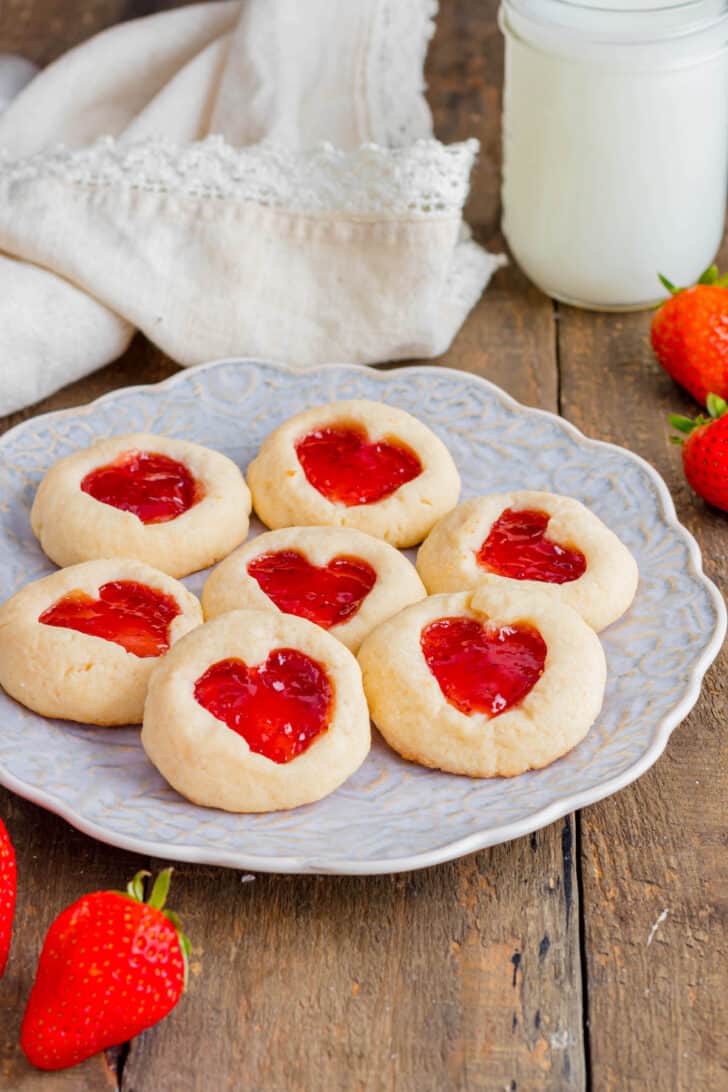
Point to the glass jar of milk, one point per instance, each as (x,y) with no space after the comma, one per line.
(615,144)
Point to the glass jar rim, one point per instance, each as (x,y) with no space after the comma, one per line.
(691,28)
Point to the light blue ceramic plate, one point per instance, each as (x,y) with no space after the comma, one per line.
(391,815)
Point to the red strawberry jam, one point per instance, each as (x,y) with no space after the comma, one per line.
(279,707)
(153,487)
(347,469)
(132,615)
(483,668)
(517,547)
(327,596)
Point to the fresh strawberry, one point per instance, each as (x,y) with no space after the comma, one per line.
(111,966)
(705,451)
(8,886)
(690,335)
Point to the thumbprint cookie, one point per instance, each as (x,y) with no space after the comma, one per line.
(81,644)
(173,504)
(343,580)
(356,464)
(257,711)
(486,683)
(543,541)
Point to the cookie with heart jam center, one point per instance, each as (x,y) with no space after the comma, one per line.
(81,644)
(343,580)
(486,683)
(169,503)
(544,541)
(257,711)
(359,464)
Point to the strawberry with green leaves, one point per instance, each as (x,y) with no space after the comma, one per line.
(111,966)
(705,451)
(8,887)
(690,335)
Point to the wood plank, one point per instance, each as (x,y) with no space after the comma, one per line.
(460,977)
(43,29)
(464,74)
(653,857)
(509,338)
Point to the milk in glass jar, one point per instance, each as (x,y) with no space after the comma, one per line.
(615,144)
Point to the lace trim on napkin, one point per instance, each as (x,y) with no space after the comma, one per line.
(401,33)
(426,179)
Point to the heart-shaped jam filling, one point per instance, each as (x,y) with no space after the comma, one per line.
(347,469)
(517,547)
(327,596)
(132,615)
(153,487)
(279,707)
(483,668)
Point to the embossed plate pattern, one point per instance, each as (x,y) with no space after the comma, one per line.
(391,815)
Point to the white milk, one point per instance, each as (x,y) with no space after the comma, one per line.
(615,145)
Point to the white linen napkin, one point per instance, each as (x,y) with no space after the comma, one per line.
(321,222)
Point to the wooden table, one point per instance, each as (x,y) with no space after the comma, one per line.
(593,954)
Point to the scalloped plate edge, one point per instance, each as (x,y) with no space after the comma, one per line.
(479,839)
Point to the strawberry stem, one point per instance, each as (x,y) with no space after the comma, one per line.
(157,899)
(668,285)
(682,424)
(135,888)
(716,406)
(685,425)
(160,890)
(710,276)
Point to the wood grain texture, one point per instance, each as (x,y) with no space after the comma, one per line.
(461,977)
(43,29)
(653,858)
(464,74)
